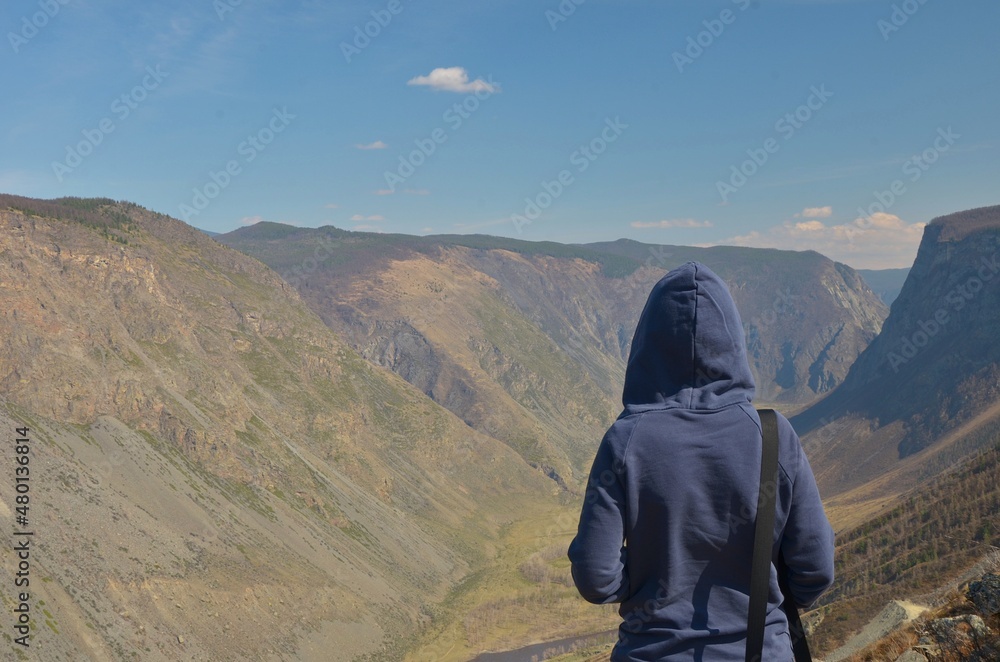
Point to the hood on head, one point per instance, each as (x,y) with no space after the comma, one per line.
(689,349)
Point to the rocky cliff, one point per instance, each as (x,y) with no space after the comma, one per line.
(933,373)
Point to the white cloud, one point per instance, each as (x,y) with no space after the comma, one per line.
(672,223)
(384,191)
(427,230)
(378,144)
(331,205)
(816,212)
(453,79)
(367,228)
(881,241)
(373,217)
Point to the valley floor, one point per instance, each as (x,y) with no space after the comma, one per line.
(525,596)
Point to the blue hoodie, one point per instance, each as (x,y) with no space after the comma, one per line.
(667,524)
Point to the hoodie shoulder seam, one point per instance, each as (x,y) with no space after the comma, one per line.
(756,424)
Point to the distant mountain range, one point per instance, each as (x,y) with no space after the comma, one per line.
(527,341)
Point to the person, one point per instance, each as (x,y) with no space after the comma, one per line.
(667,524)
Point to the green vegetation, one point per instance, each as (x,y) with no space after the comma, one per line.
(937,533)
(103,214)
(521,594)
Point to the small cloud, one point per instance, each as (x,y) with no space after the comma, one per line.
(672,223)
(373,217)
(367,228)
(384,191)
(427,230)
(331,206)
(378,144)
(453,79)
(816,212)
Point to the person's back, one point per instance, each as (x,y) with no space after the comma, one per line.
(668,519)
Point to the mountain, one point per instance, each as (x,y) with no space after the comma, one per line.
(215,474)
(886,283)
(911,400)
(527,341)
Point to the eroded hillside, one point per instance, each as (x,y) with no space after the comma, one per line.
(218,475)
(527,341)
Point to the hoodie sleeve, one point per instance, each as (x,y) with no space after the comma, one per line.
(598,553)
(807,544)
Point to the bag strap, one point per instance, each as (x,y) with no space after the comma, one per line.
(760,576)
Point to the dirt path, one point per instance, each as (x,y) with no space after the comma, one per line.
(895,614)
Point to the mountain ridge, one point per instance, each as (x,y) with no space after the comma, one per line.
(392,296)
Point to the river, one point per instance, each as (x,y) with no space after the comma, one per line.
(543,651)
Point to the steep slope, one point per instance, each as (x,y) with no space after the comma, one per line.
(932,370)
(930,539)
(217,475)
(527,341)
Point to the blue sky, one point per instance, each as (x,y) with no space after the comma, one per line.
(841,126)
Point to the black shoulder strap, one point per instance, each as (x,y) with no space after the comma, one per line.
(760,577)
(763,540)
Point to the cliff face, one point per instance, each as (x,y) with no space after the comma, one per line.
(218,474)
(527,341)
(934,367)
